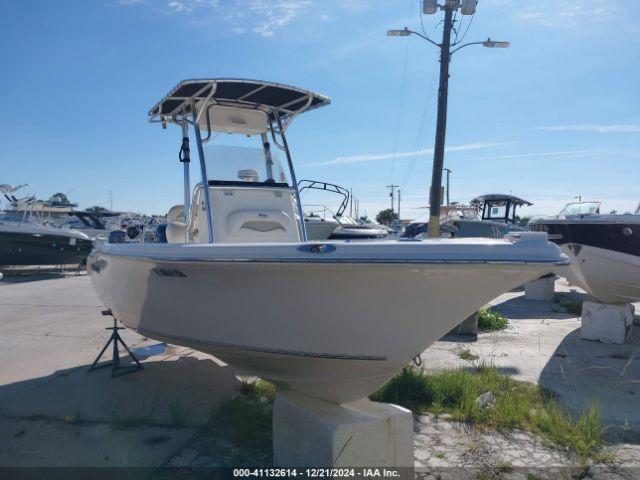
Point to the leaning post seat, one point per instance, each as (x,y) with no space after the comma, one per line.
(246,214)
(176,227)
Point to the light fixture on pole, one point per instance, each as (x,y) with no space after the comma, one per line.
(429,7)
(467,7)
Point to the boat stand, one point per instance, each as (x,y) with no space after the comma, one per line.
(115,338)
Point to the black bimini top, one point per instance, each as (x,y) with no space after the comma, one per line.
(499,197)
(252,94)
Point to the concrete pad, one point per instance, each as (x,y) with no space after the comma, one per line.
(310,432)
(50,332)
(540,289)
(607,323)
(58,444)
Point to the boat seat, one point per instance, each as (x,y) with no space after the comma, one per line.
(176,228)
(259,226)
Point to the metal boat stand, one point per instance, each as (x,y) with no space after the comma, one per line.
(115,338)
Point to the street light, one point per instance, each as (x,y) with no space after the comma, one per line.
(449,7)
(493,44)
(399,33)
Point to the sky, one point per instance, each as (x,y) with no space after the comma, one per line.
(554,116)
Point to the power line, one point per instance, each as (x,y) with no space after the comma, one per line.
(468,25)
(402,89)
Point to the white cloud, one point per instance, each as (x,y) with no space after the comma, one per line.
(615,128)
(565,153)
(371,157)
(276,13)
(263,17)
(565,12)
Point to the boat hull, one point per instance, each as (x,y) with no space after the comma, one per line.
(608,275)
(604,253)
(27,245)
(319,230)
(334,330)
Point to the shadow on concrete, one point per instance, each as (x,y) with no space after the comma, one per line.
(519,308)
(180,392)
(501,368)
(24,275)
(584,371)
(455,338)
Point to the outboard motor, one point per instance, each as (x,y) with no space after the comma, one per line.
(134,232)
(117,236)
(161,233)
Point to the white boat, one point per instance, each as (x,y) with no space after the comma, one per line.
(319,228)
(239,280)
(604,250)
(350,229)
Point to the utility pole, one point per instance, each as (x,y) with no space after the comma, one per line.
(111,200)
(467,7)
(399,194)
(448,173)
(392,187)
(441,124)
(351,202)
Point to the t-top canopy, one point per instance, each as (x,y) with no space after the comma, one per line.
(498,197)
(248,94)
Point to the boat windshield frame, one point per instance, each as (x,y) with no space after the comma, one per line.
(596,211)
(327,187)
(191,101)
(509,212)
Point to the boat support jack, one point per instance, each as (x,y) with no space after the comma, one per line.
(116,368)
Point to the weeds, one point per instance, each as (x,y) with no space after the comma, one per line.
(491,321)
(518,405)
(248,416)
(467,354)
(565,304)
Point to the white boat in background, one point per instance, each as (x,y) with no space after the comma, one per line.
(240,280)
(344,227)
(319,228)
(350,229)
(604,250)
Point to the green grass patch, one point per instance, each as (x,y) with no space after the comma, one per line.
(466,354)
(516,405)
(491,321)
(566,304)
(246,421)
